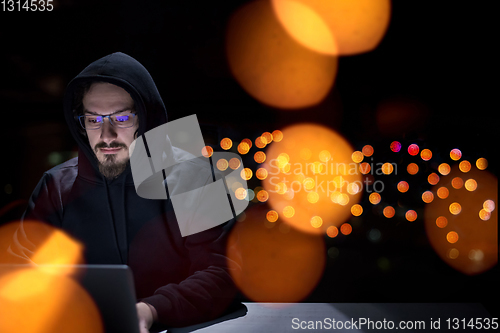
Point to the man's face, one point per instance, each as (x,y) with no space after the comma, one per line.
(110,143)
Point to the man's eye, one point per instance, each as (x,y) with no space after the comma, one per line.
(94,120)
(122,118)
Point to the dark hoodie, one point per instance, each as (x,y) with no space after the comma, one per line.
(185,279)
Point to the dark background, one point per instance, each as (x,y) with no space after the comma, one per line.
(436,57)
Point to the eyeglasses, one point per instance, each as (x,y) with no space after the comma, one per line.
(120,120)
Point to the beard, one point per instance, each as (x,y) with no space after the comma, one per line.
(110,167)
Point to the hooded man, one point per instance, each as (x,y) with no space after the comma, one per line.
(178,280)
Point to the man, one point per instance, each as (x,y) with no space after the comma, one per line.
(179,280)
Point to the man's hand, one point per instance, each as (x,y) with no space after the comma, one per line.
(145,316)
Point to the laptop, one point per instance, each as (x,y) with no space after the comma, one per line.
(111,287)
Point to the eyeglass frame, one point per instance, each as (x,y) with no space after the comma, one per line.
(103,117)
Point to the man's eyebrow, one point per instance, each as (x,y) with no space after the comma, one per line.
(118,111)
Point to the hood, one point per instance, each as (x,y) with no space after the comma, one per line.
(124,71)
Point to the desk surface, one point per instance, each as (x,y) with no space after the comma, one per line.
(352,317)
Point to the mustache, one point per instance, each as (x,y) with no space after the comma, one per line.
(111,145)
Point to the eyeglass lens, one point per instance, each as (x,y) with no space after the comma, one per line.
(94,122)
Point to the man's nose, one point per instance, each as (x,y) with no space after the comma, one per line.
(108,133)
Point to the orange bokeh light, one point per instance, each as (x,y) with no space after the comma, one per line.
(412,169)
(316,167)
(222,164)
(260,157)
(367,150)
(332,231)
(357,156)
(268,265)
(268,136)
(277,135)
(261,173)
(455,154)
(470,185)
(240,193)
(426,154)
(353,188)
(272,216)
(226,143)
(282,160)
(36,300)
(356,210)
(403,186)
(308,183)
(314,184)
(444,169)
(248,142)
(452,237)
(234,163)
(343,199)
(489,206)
(389,212)
(324,156)
(433,178)
(441,222)
(456,219)
(262,195)
(280,188)
(443,192)
(427,196)
(312,32)
(340,182)
(484,215)
(482,163)
(243,148)
(313,197)
(387,168)
(455,208)
(316,221)
(411,215)
(364,168)
(374,198)
(346,229)
(48,242)
(288,211)
(272,66)
(342,27)
(457,183)
(465,166)
(260,142)
(42,298)
(207,151)
(50,252)
(246,174)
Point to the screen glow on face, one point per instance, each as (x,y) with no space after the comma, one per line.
(122,120)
